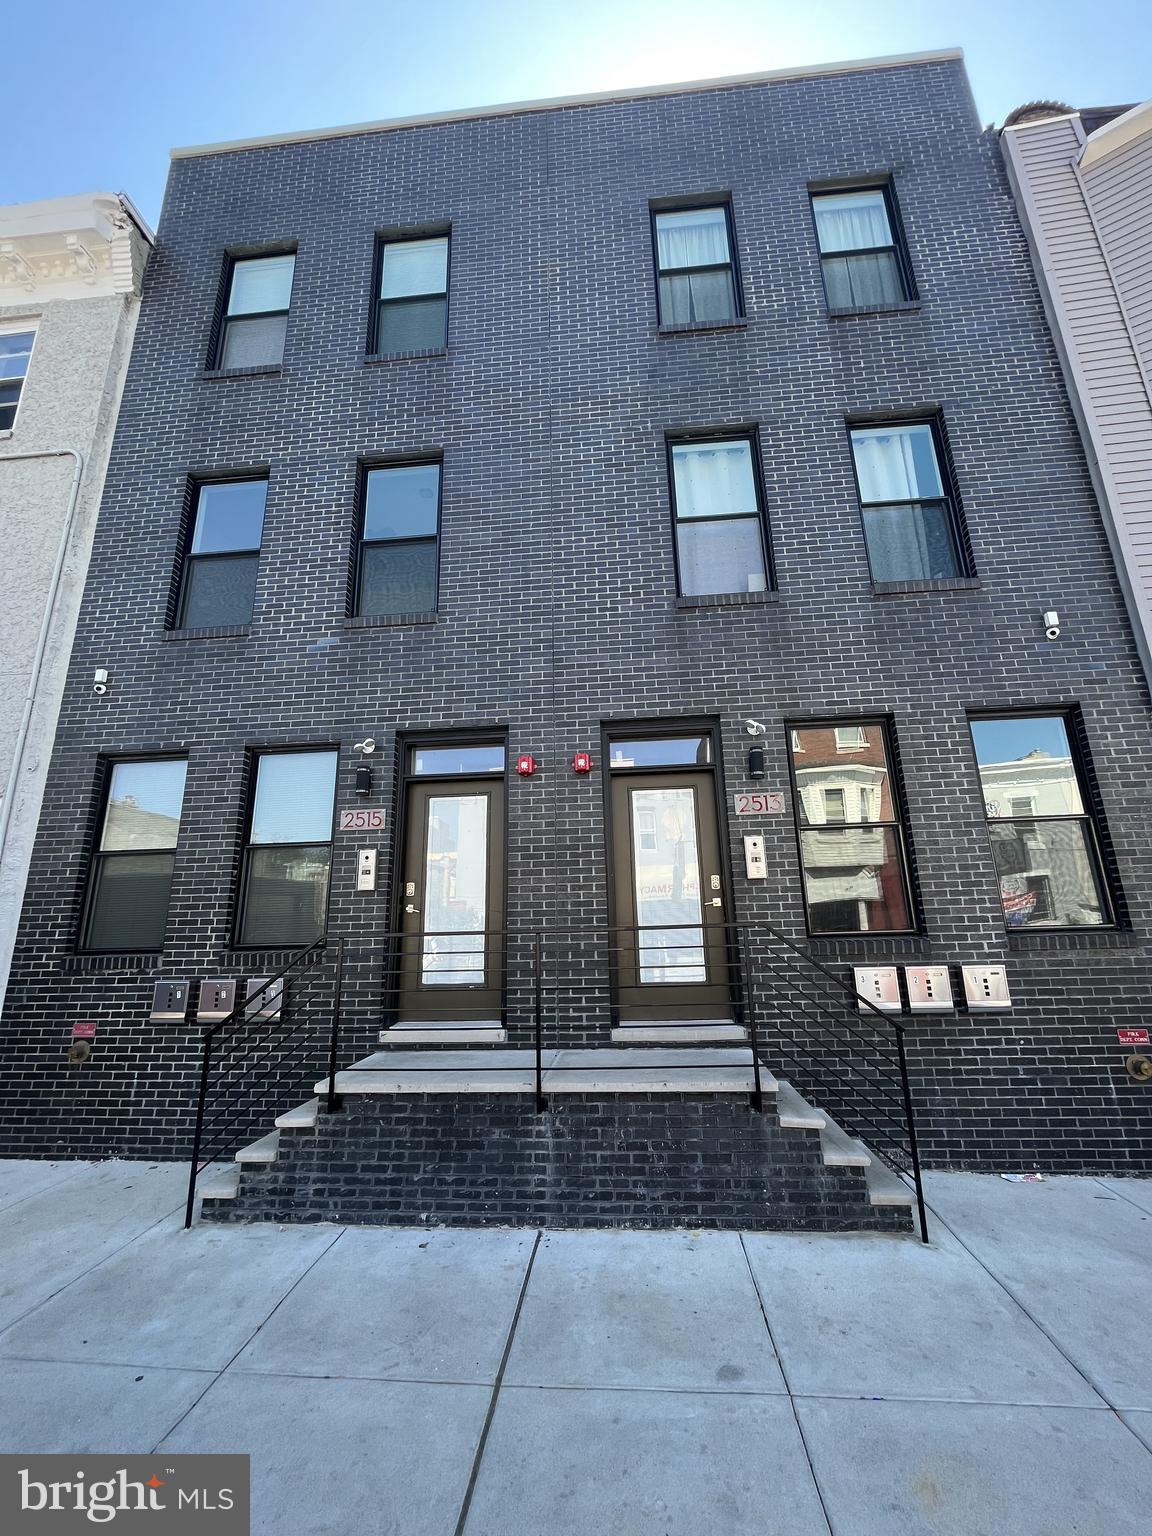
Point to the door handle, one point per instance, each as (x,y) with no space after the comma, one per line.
(411,908)
(717,901)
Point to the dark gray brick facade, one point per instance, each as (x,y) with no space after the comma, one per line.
(558,607)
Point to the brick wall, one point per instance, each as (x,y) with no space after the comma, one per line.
(558,600)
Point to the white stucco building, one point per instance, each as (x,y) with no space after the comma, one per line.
(70,276)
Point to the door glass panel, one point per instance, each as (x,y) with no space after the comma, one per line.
(666,876)
(455,891)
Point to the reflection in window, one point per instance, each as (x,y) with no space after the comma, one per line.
(1043,838)
(412,307)
(719,527)
(851,840)
(909,525)
(132,872)
(486,758)
(455,891)
(697,281)
(15,354)
(666,871)
(661,752)
(859,255)
(256,315)
(399,539)
(289,852)
(220,568)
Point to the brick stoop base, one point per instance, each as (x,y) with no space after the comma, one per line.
(656,1160)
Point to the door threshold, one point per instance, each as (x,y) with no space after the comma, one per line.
(444,1032)
(678,1031)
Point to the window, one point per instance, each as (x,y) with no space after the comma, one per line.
(661,752)
(289,852)
(412,303)
(910,526)
(256,315)
(487,757)
(851,839)
(863,261)
(695,272)
(851,738)
(132,871)
(399,544)
(718,517)
(1043,837)
(219,578)
(15,352)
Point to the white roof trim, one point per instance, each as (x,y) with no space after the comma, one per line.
(547,104)
(1115,135)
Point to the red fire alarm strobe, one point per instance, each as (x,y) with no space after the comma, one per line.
(582,762)
(526,765)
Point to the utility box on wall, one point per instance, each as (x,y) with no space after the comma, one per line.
(929,988)
(169,1002)
(878,985)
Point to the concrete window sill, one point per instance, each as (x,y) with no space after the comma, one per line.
(389,620)
(264,371)
(696,327)
(374,358)
(728,600)
(906,307)
(909,588)
(216,632)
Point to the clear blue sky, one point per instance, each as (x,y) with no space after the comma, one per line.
(104,90)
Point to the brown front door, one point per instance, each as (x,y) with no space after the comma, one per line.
(671,954)
(452,902)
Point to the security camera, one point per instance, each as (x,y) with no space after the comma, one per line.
(100,680)
(365,746)
(1051,625)
(755,728)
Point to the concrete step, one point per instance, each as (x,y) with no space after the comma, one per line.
(795,1112)
(302,1118)
(445,1032)
(841,1150)
(683,1032)
(606,1071)
(884,1187)
(262,1151)
(225,1186)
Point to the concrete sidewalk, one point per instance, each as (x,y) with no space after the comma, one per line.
(433,1383)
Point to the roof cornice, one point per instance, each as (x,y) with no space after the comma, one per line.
(592,99)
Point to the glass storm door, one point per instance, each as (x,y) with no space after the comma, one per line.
(452,900)
(669,890)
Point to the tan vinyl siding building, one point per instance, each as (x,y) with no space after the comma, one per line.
(1084,190)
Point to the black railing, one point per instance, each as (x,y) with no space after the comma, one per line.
(555,993)
(269,1048)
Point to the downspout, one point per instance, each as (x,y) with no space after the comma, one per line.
(45,625)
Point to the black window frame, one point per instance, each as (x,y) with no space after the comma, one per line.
(732,265)
(384,239)
(750,435)
(97,857)
(367,468)
(232,260)
(1097,843)
(252,784)
(187,560)
(945,469)
(909,884)
(898,246)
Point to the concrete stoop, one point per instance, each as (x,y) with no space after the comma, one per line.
(629,1138)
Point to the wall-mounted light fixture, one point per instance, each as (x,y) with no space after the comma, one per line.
(364,780)
(755,762)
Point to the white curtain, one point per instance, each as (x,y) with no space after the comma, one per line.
(896,464)
(696,238)
(713,480)
(414,267)
(851,221)
(260,285)
(294,794)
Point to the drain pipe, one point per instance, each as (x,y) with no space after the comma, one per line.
(45,625)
